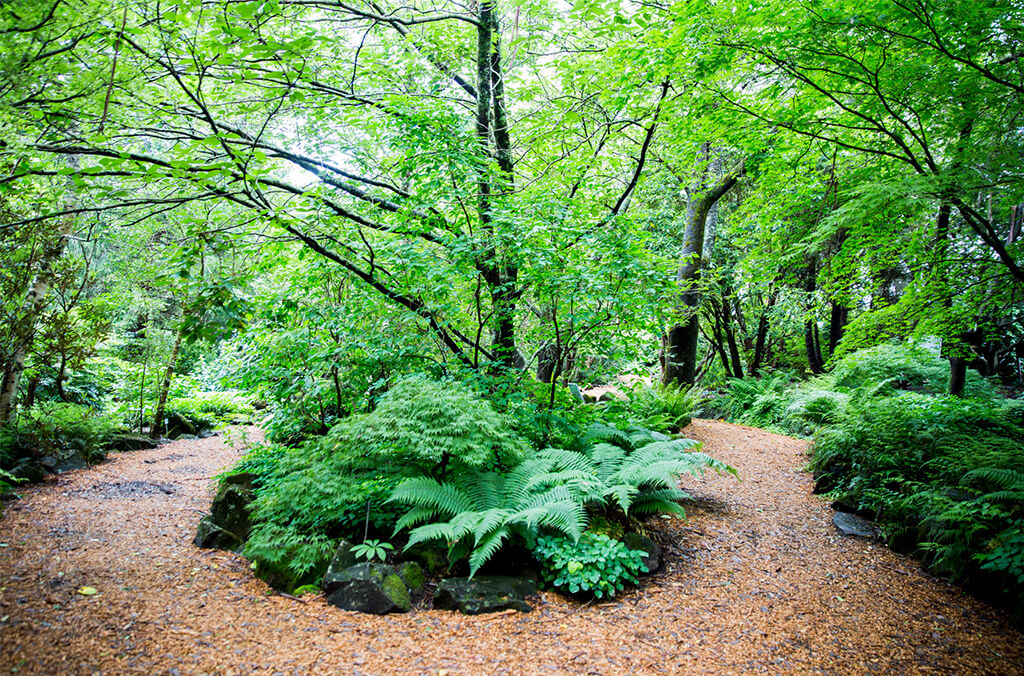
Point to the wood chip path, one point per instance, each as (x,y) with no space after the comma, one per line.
(756,581)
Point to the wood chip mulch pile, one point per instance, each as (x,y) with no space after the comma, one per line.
(756,581)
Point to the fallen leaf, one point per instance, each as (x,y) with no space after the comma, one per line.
(87,591)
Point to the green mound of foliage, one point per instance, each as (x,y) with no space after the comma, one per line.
(338,485)
(937,474)
(210,409)
(59,430)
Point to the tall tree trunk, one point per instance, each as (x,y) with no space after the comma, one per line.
(760,343)
(497,270)
(681,348)
(836,326)
(957,375)
(25,324)
(730,335)
(165,387)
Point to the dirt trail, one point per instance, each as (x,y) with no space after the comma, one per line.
(757,581)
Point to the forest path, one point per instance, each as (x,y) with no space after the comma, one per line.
(756,581)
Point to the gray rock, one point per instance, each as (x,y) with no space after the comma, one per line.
(851,524)
(131,442)
(651,549)
(178,425)
(484,594)
(342,560)
(186,437)
(70,463)
(227,525)
(48,462)
(211,536)
(372,588)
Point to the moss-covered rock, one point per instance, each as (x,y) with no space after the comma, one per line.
(412,575)
(484,594)
(372,588)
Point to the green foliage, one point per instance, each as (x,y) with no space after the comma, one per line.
(938,472)
(339,484)
(905,366)
(429,426)
(7,484)
(210,409)
(477,512)
(595,564)
(629,473)
(665,408)
(60,430)
(372,549)
(761,402)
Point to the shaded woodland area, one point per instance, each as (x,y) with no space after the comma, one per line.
(473,267)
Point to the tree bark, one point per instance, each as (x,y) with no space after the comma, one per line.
(165,387)
(25,326)
(957,375)
(681,348)
(837,324)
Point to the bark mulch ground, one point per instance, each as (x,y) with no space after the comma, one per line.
(756,581)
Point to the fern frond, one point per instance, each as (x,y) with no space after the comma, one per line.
(445,498)
(485,549)
(600,432)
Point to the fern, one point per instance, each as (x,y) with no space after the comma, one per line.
(477,512)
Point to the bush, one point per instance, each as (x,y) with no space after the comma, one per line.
(210,409)
(595,564)
(59,430)
(938,474)
(338,485)
(906,367)
(617,473)
(664,408)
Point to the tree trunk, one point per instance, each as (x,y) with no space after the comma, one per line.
(681,350)
(730,336)
(165,387)
(836,326)
(957,375)
(761,342)
(25,325)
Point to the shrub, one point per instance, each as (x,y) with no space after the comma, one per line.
(476,513)
(665,408)
(338,485)
(60,430)
(595,564)
(938,472)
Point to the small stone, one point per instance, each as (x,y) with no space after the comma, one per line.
(853,525)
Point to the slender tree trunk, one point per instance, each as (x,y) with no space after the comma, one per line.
(957,375)
(761,342)
(165,386)
(681,352)
(24,329)
(730,336)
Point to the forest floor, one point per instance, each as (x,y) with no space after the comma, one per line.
(757,580)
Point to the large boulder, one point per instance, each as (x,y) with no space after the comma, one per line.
(372,588)
(69,463)
(651,549)
(227,525)
(28,470)
(485,594)
(131,442)
(412,575)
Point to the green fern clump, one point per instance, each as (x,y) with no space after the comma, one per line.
(665,408)
(939,473)
(812,409)
(475,513)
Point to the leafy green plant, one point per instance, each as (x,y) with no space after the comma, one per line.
(475,513)
(595,564)
(634,472)
(665,408)
(372,549)
(60,430)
